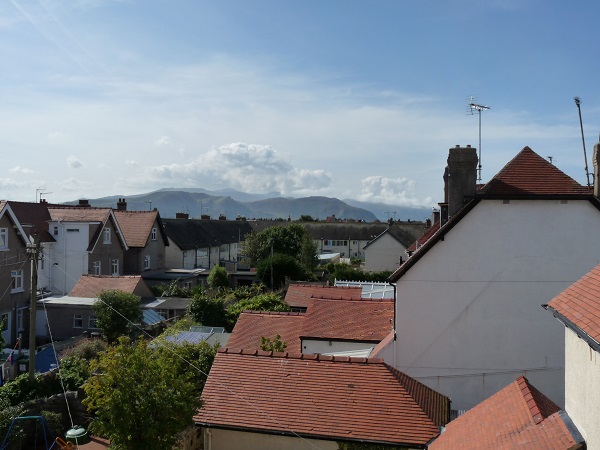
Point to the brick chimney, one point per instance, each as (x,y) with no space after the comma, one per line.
(84,203)
(462,177)
(181,215)
(596,162)
(122,205)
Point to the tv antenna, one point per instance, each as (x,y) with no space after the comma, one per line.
(39,192)
(587,173)
(473,107)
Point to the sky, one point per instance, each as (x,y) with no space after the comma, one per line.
(339,98)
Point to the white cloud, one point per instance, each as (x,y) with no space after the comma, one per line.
(393,191)
(163,140)
(247,167)
(131,162)
(74,162)
(74,185)
(23,170)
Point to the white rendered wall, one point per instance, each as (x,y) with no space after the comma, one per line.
(469,315)
(384,254)
(67,259)
(323,346)
(582,388)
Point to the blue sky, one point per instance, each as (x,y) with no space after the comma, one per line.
(347,99)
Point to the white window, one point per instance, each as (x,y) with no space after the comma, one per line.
(77,321)
(17,281)
(20,319)
(147,262)
(115,267)
(107,235)
(153,234)
(97,268)
(3,238)
(55,231)
(93,322)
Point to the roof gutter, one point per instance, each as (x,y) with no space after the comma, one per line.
(574,328)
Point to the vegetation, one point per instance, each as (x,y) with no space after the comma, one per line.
(140,398)
(115,310)
(275,345)
(287,251)
(340,271)
(222,307)
(218,278)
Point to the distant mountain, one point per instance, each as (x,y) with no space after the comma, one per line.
(383,211)
(215,203)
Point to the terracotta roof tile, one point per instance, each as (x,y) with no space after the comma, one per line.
(250,326)
(529,174)
(299,295)
(580,303)
(321,397)
(517,416)
(425,236)
(79,214)
(90,286)
(136,226)
(359,320)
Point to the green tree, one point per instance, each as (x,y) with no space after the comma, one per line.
(262,302)
(218,278)
(208,308)
(115,311)
(275,345)
(306,218)
(140,399)
(278,268)
(281,239)
(2,326)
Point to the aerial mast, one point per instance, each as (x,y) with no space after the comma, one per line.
(473,106)
(587,172)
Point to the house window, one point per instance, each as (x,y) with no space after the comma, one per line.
(115,267)
(72,230)
(3,238)
(153,234)
(20,319)
(77,321)
(97,268)
(93,322)
(107,235)
(147,262)
(55,232)
(17,281)
(187,285)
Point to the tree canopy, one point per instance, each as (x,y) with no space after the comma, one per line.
(115,310)
(140,398)
(218,278)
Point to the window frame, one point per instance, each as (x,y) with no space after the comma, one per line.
(93,322)
(3,238)
(115,264)
(97,267)
(77,318)
(17,281)
(153,234)
(147,262)
(107,235)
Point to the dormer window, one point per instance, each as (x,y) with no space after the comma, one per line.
(107,235)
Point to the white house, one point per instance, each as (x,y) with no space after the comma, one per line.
(388,250)
(578,308)
(468,318)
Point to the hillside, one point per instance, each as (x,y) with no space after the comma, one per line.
(201,201)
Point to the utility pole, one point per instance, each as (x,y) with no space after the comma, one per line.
(34,250)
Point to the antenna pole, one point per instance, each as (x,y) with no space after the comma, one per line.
(477,107)
(587,173)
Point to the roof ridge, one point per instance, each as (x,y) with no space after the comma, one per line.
(301,356)
(362,299)
(538,405)
(274,313)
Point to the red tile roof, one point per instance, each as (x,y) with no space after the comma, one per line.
(136,226)
(319,396)
(517,416)
(357,320)
(528,174)
(425,236)
(90,286)
(252,325)
(299,295)
(360,320)
(580,304)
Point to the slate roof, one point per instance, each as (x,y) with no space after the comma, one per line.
(90,286)
(316,396)
(518,416)
(528,174)
(34,218)
(579,304)
(189,234)
(299,295)
(137,226)
(396,233)
(354,320)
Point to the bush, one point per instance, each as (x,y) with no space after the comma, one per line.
(218,278)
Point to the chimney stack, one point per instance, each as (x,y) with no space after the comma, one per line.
(181,215)
(84,203)
(122,205)
(462,177)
